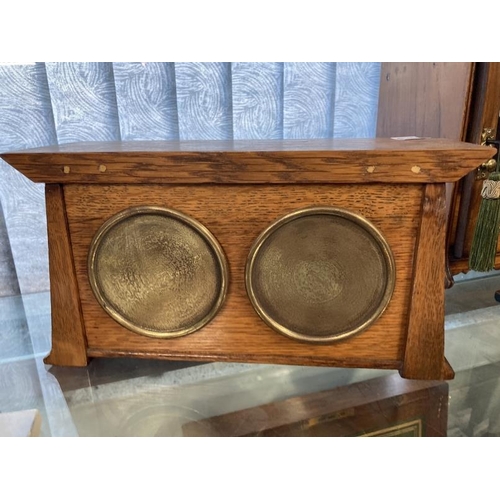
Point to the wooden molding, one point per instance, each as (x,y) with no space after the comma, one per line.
(242,162)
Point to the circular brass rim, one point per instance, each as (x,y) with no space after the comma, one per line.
(197,226)
(304,212)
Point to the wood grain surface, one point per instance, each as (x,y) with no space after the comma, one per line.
(472,133)
(357,409)
(68,331)
(236,215)
(462,265)
(289,161)
(448,373)
(489,119)
(425,99)
(424,354)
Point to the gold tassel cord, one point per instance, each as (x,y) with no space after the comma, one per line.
(484,243)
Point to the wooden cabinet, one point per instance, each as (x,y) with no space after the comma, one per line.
(449,100)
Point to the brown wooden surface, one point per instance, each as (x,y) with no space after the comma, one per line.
(353,410)
(307,161)
(484,114)
(236,215)
(448,373)
(68,332)
(489,119)
(288,147)
(462,265)
(449,100)
(472,132)
(424,354)
(424,99)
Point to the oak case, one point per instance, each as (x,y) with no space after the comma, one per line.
(237,190)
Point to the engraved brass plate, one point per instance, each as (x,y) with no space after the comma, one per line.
(157,271)
(320,274)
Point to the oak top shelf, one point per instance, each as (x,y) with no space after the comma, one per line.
(272,161)
(286,145)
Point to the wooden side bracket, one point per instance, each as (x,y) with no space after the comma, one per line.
(69,345)
(424,353)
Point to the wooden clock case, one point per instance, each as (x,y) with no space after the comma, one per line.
(236,190)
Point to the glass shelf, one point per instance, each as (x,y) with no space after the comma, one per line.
(137,397)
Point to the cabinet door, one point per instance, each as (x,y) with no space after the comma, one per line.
(424,99)
(483,113)
(450,100)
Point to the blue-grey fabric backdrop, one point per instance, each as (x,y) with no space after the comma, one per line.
(42,104)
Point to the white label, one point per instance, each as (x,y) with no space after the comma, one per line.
(406,138)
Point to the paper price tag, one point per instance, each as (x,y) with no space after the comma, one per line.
(406,138)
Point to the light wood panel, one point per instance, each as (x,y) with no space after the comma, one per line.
(236,215)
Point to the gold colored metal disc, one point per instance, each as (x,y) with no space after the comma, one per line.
(320,274)
(157,271)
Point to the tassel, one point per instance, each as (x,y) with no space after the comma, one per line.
(484,243)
